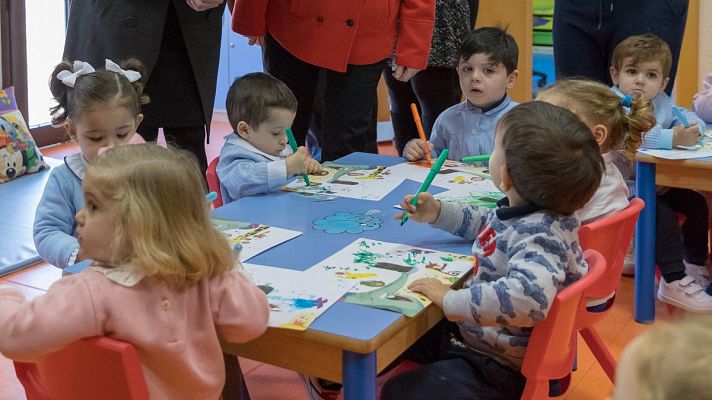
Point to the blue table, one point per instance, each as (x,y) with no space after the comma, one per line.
(689,174)
(349,343)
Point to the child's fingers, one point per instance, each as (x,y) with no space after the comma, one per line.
(424,147)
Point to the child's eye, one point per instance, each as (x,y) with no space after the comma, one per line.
(122,135)
(489,70)
(90,206)
(95,139)
(630,71)
(279,133)
(652,75)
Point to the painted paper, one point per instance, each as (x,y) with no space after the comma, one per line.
(254,238)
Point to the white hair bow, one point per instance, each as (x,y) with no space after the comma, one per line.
(132,76)
(79,68)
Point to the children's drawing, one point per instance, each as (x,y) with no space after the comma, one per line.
(383,271)
(346,222)
(352,181)
(296,298)
(254,238)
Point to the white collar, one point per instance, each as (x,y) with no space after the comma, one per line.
(235,139)
(77,164)
(124,276)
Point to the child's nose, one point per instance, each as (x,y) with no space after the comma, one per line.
(79,217)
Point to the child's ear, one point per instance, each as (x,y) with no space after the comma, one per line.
(139,118)
(243,129)
(600,133)
(665,82)
(506,182)
(614,74)
(70,129)
(512,78)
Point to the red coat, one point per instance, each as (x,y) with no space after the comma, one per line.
(335,33)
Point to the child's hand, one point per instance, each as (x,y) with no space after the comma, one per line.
(426,210)
(312,166)
(296,163)
(433,288)
(416,149)
(685,136)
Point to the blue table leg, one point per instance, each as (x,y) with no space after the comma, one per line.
(645,245)
(359,375)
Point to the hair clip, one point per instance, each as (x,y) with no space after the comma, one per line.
(626,101)
(78,69)
(131,75)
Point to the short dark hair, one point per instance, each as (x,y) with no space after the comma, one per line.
(252,95)
(551,156)
(643,48)
(499,45)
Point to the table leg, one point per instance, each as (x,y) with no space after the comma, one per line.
(645,245)
(359,375)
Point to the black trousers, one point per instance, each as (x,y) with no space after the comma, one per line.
(350,100)
(586,32)
(190,138)
(452,372)
(433,90)
(672,242)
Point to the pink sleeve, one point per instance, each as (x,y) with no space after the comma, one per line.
(32,329)
(240,308)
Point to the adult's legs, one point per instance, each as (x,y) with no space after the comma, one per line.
(436,89)
(299,76)
(401,96)
(668,242)
(348,119)
(695,229)
(190,138)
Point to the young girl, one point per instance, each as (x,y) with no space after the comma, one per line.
(667,362)
(97,108)
(162,277)
(614,130)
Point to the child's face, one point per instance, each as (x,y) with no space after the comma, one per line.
(102,127)
(645,78)
(96,222)
(270,136)
(482,81)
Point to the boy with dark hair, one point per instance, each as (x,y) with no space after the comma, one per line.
(548,164)
(487,67)
(640,66)
(255,157)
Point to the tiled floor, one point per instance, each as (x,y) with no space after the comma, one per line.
(267,382)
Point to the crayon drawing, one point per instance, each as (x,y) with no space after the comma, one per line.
(296,298)
(254,238)
(382,272)
(483,199)
(352,181)
(346,222)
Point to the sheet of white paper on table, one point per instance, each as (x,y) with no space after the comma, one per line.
(678,154)
(254,238)
(372,183)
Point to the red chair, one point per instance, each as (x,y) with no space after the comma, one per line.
(611,237)
(214,182)
(551,352)
(92,368)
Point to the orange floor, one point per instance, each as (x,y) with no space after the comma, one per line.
(266,382)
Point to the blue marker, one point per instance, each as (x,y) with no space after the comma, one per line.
(210,197)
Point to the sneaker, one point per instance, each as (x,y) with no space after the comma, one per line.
(699,272)
(320,389)
(629,262)
(686,294)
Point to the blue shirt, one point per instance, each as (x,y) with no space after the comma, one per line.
(466,130)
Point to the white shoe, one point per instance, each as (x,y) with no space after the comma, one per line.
(686,294)
(699,272)
(629,262)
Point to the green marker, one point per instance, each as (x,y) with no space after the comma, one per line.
(428,180)
(474,159)
(293,145)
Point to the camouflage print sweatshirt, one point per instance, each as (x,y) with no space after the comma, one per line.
(525,256)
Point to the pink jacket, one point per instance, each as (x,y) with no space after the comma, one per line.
(175,333)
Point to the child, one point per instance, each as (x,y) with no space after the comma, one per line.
(97,108)
(640,65)
(162,277)
(256,157)
(667,362)
(613,128)
(487,67)
(702,101)
(548,164)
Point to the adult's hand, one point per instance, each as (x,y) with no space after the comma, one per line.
(202,5)
(404,74)
(260,40)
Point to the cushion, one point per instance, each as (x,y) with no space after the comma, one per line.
(19,154)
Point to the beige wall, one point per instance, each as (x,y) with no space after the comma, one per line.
(705,40)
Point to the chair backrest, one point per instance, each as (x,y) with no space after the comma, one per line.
(92,368)
(213,181)
(611,236)
(550,352)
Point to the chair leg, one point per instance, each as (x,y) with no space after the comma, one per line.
(599,350)
(235,387)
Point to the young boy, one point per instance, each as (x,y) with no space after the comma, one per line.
(256,157)
(640,66)
(487,67)
(548,164)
